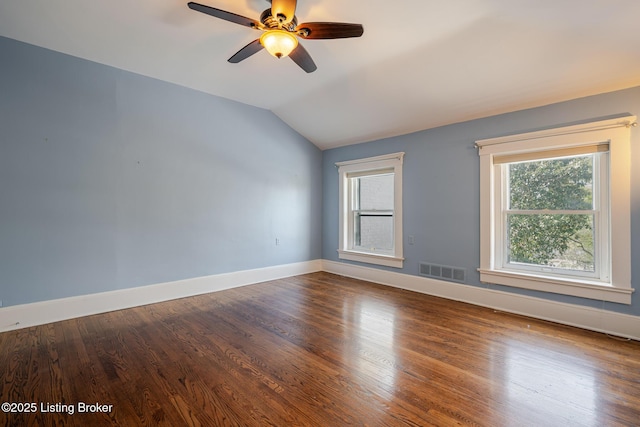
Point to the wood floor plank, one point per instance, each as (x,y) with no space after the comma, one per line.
(319,350)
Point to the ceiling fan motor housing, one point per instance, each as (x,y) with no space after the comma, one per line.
(271,21)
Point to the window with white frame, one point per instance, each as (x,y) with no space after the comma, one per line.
(371,210)
(555,210)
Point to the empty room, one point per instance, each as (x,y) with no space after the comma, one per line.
(319,213)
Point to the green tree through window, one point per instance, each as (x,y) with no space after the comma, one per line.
(550,217)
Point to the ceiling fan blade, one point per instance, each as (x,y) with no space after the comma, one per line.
(227,16)
(253,47)
(329,30)
(301,57)
(286,8)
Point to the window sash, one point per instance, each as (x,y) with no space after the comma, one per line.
(354,212)
(357,231)
(601,245)
(507,264)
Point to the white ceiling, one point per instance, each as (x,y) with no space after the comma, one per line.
(420,63)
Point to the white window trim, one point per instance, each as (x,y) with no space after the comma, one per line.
(617,133)
(390,161)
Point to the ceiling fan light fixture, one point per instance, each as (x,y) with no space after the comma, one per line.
(279,43)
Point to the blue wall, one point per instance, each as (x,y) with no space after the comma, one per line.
(111,180)
(441,190)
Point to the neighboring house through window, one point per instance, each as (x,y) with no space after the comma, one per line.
(555,210)
(371,210)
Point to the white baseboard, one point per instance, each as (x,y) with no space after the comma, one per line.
(39,313)
(594,319)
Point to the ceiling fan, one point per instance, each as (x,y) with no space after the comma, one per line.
(280,27)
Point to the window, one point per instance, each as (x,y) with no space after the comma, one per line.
(371,210)
(555,209)
(554,213)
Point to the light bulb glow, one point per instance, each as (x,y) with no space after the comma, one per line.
(279,43)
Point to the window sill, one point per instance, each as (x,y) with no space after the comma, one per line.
(386,260)
(580,288)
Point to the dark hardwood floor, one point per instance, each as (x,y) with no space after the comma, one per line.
(317,350)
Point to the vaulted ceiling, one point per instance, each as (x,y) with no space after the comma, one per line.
(420,63)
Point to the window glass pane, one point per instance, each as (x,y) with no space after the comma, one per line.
(376,192)
(374,232)
(553,184)
(558,241)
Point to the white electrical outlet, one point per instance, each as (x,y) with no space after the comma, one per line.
(277,242)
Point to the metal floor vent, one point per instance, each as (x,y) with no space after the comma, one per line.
(444,272)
